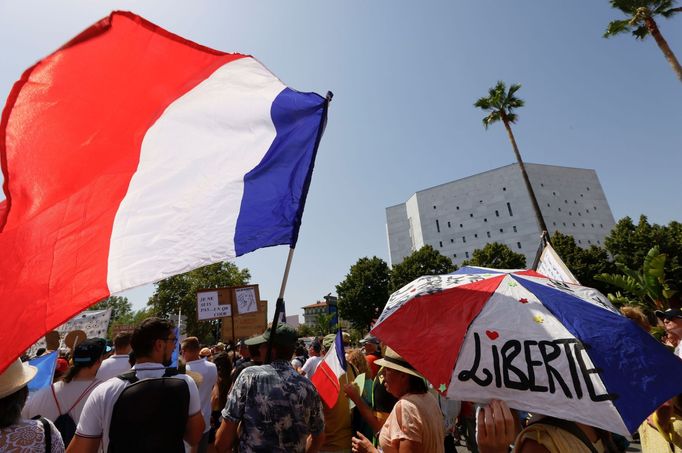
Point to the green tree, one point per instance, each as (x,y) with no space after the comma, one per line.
(121,308)
(179,292)
(305,330)
(584,263)
(630,244)
(641,23)
(501,104)
(364,292)
(425,261)
(648,285)
(324,324)
(497,256)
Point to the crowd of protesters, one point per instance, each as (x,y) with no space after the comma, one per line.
(228,398)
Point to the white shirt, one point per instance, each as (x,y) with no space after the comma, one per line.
(209,372)
(96,416)
(310,366)
(113,366)
(43,403)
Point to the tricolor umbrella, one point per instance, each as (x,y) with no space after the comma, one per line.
(541,345)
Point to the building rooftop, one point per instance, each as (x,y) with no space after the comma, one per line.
(317,305)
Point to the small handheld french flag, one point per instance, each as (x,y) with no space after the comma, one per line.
(328,374)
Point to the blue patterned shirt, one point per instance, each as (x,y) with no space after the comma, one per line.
(278,409)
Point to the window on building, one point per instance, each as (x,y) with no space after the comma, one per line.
(441,243)
(514,227)
(559,209)
(548,205)
(464,238)
(589,242)
(583,225)
(570,213)
(475,235)
(448,224)
(594,208)
(457,208)
(452,241)
(580,214)
(598,241)
(485,220)
(518,244)
(579,241)
(592,225)
(488,233)
(461,226)
(581,195)
(501,230)
(471,215)
(601,225)
(575,202)
(454,255)
(565,201)
(497,213)
(509,209)
(588,189)
(542,185)
(504,189)
(466,254)
(564,223)
(554,223)
(437,226)
(481,201)
(554,193)
(434,206)
(587,210)
(574,224)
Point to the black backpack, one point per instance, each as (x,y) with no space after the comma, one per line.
(65,424)
(150,415)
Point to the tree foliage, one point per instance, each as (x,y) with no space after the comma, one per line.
(584,263)
(630,244)
(324,324)
(364,292)
(497,256)
(500,104)
(179,293)
(425,261)
(648,285)
(121,308)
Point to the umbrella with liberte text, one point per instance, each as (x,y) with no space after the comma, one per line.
(541,345)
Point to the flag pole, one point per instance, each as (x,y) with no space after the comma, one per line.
(279,306)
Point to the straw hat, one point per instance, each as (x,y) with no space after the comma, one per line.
(392,360)
(15,377)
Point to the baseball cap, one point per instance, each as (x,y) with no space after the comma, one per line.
(285,335)
(370,339)
(670,313)
(89,351)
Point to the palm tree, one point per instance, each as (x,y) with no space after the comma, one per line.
(641,23)
(501,104)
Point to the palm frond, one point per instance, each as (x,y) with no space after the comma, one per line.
(492,118)
(512,117)
(640,32)
(617,27)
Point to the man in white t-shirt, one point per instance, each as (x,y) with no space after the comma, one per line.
(314,359)
(193,362)
(153,343)
(119,362)
(68,396)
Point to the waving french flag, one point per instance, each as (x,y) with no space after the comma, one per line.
(132,154)
(328,374)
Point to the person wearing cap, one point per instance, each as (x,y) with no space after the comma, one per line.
(69,394)
(672,321)
(190,350)
(371,347)
(17,433)
(117,363)
(415,423)
(153,343)
(314,359)
(278,409)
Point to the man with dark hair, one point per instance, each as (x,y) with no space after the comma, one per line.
(314,359)
(153,343)
(190,349)
(279,410)
(117,363)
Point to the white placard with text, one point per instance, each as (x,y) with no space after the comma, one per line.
(209,308)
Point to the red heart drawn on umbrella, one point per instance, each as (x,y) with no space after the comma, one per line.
(523,301)
(492,334)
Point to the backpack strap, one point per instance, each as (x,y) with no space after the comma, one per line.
(87,390)
(48,434)
(130,376)
(569,427)
(54,395)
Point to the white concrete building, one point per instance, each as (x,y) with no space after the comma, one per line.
(461,216)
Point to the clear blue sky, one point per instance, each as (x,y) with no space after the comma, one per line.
(405,76)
